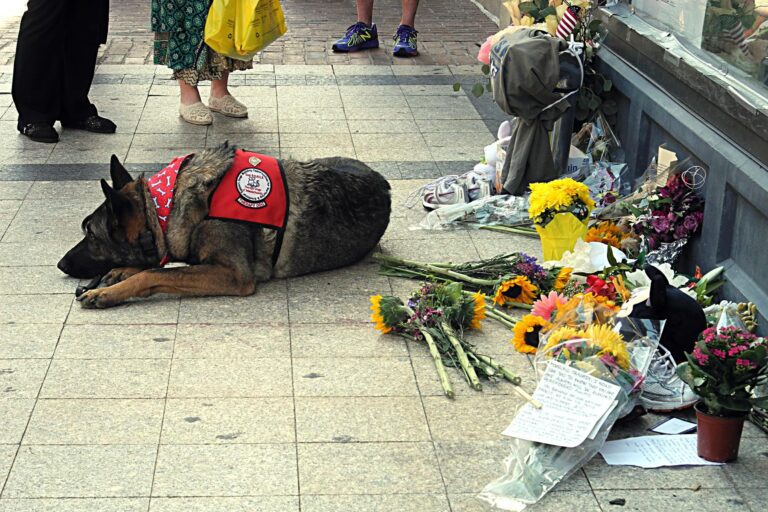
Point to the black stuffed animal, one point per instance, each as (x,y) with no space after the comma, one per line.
(685,318)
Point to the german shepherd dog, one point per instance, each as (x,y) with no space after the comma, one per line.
(339,209)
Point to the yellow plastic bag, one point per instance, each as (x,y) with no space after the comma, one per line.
(220,27)
(560,235)
(239,29)
(259,23)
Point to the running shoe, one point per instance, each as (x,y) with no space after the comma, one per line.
(663,390)
(358,37)
(405,42)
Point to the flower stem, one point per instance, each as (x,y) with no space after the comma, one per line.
(439,270)
(441,373)
(469,370)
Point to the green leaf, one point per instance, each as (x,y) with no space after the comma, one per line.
(456,87)
(529,8)
(547,11)
(607,85)
(478,90)
(486,69)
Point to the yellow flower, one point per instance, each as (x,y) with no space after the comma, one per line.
(562,278)
(610,342)
(559,336)
(526,333)
(479,311)
(557,195)
(519,289)
(377,317)
(607,233)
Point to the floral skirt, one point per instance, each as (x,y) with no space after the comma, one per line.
(211,66)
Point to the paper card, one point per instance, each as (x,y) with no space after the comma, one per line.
(572,404)
(673,426)
(654,452)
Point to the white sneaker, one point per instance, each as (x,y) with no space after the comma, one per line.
(663,390)
(450,190)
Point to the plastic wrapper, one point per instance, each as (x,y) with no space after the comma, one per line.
(487,211)
(667,253)
(560,235)
(534,469)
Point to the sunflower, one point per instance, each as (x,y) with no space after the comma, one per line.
(610,342)
(479,311)
(559,336)
(562,278)
(527,330)
(377,316)
(519,289)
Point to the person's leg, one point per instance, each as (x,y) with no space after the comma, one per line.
(409,12)
(365,11)
(189,93)
(38,62)
(405,38)
(81,47)
(219,88)
(363,34)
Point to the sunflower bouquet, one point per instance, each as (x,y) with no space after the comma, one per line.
(586,336)
(513,279)
(560,211)
(438,314)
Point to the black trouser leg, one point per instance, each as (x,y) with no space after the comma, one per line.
(39,61)
(80,52)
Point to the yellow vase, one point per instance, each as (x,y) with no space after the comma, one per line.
(560,235)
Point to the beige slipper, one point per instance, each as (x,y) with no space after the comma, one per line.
(196,113)
(228,106)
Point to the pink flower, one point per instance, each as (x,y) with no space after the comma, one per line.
(547,305)
(484,55)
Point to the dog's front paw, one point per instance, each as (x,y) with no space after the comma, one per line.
(98,298)
(118,275)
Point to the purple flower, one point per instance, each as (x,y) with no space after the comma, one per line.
(690,223)
(660,224)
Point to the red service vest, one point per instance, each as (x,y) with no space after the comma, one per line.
(252,190)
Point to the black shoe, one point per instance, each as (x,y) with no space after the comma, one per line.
(39,132)
(95,124)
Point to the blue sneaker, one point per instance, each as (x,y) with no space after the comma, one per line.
(358,37)
(405,42)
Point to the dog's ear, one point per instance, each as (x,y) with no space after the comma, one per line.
(120,176)
(118,203)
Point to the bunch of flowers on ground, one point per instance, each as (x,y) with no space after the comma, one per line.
(438,314)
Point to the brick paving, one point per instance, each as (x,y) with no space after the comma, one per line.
(449,31)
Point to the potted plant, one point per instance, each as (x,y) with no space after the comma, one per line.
(724,368)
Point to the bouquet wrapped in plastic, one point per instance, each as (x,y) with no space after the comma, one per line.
(592,339)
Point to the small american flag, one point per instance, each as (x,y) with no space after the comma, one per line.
(568,22)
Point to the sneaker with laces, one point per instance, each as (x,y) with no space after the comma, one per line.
(663,390)
(358,37)
(405,42)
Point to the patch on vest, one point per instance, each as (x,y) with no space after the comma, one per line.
(254,186)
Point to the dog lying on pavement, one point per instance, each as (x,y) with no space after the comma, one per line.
(262,219)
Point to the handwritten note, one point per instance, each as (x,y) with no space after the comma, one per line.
(654,452)
(573,404)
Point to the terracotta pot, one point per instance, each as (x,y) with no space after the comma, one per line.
(718,436)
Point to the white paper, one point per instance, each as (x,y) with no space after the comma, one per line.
(572,404)
(654,452)
(674,426)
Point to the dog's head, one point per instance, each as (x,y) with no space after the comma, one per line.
(685,317)
(112,231)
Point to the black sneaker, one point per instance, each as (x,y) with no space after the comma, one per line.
(95,124)
(39,132)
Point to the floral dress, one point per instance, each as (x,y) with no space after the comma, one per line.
(179,27)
